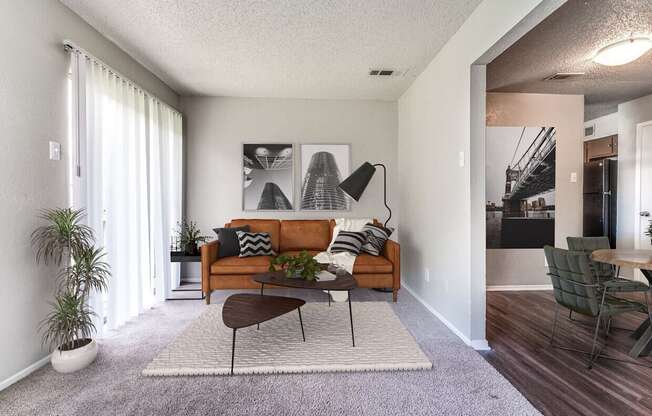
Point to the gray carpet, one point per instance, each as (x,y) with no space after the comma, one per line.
(460,383)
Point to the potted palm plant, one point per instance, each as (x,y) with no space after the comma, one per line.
(648,232)
(68,329)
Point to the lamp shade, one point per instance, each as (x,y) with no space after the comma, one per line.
(357,182)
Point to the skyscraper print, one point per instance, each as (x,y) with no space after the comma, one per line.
(323,168)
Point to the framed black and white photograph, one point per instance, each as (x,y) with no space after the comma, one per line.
(268,177)
(520,187)
(323,167)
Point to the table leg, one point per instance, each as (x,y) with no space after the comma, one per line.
(641,329)
(262,287)
(233,351)
(303,334)
(329,297)
(351,318)
(642,342)
(646,336)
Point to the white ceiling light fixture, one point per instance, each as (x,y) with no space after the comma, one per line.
(623,52)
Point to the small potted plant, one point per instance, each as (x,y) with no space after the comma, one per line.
(68,329)
(303,266)
(648,232)
(190,236)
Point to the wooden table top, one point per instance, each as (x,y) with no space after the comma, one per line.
(246,309)
(637,259)
(344,282)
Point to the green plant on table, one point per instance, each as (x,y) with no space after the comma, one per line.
(648,232)
(302,266)
(189,236)
(68,243)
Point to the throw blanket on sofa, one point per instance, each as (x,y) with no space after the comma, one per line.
(344,260)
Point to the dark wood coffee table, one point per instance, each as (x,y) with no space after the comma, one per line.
(344,282)
(246,309)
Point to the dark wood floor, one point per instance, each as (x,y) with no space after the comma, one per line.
(555,381)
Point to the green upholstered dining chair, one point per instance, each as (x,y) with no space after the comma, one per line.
(604,272)
(576,288)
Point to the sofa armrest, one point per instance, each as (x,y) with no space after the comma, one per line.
(392,252)
(208,256)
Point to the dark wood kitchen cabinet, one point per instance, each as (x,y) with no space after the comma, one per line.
(601,148)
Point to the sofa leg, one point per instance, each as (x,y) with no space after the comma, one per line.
(208,297)
(394,295)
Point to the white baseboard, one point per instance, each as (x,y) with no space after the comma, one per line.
(480,345)
(24,372)
(508,288)
(477,344)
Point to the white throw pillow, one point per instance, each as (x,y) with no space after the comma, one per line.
(348,224)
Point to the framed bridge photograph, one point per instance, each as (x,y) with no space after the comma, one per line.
(520,187)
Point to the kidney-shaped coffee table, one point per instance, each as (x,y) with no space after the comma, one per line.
(344,282)
(246,309)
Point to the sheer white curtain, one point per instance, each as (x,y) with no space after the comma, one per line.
(128,174)
(165,168)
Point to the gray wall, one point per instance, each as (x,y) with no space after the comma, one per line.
(435,191)
(33,110)
(629,115)
(566,113)
(216,127)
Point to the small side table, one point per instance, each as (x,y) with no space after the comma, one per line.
(182,257)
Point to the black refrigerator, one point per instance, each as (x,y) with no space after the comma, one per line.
(600,199)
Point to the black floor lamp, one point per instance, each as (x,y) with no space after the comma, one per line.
(357,182)
(355,185)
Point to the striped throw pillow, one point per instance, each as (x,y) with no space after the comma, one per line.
(349,241)
(254,244)
(377,236)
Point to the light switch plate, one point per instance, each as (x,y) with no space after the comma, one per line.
(55,151)
(427,275)
(573,177)
(461,159)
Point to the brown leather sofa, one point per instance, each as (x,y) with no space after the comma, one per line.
(292,236)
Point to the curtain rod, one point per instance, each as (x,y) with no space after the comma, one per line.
(70,46)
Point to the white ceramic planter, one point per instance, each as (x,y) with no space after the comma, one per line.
(74,360)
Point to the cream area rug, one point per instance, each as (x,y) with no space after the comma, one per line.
(382,343)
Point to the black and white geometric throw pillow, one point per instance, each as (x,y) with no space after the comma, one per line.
(255,244)
(377,236)
(349,241)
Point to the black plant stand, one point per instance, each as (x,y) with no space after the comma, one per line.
(182,257)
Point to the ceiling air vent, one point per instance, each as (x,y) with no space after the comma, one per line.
(385,73)
(562,76)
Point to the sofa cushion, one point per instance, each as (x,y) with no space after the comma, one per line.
(255,244)
(377,236)
(348,241)
(272,227)
(295,253)
(241,265)
(229,243)
(366,263)
(304,234)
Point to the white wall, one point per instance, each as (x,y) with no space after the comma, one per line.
(33,110)
(216,127)
(603,126)
(507,267)
(435,191)
(629,115)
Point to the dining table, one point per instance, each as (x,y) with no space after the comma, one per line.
(635,259)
